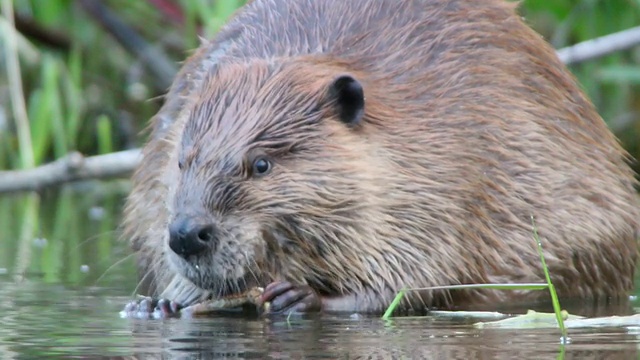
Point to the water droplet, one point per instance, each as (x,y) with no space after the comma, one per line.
(96,213)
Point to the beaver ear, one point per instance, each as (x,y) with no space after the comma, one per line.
(349,99)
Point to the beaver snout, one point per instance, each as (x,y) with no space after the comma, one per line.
(187,238)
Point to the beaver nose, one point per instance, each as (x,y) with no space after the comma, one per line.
(187,239)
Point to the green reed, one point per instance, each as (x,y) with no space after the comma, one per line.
(552,290)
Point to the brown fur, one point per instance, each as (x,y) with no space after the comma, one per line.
(472,125)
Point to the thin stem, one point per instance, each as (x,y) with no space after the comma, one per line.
(15,84)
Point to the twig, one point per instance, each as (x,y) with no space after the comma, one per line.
(72,167)
(155,60)
(598,47)
(47,36)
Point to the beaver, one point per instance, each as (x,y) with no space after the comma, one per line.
(336,152)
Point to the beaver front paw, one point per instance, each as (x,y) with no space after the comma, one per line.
(284,297)
(147,307)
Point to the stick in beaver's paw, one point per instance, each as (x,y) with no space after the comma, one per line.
(251,297)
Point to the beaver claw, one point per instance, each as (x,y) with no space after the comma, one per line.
(284,297)
(147,307)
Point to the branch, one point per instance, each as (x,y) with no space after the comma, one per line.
(598,47)
(70,168)
(153,58)
(47,36)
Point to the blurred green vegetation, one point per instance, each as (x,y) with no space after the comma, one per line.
(85,91)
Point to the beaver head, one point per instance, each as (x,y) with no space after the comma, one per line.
(270,176)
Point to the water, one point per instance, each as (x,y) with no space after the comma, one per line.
(77,278)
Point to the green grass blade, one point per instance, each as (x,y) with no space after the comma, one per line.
(73,101)
(51,81)
(554,296)
(38,109)
(105,140)
(394,305)
(505,286)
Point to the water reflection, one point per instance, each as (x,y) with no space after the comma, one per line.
(372,338)
(68,236)
(66,278)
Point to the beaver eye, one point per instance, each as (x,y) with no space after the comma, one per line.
(261,166)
